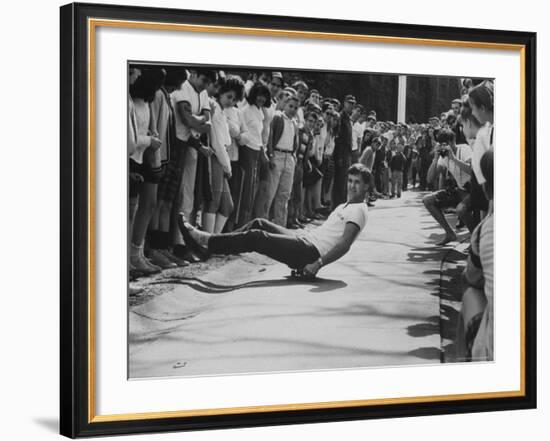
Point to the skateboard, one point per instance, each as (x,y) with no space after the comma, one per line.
(298,274)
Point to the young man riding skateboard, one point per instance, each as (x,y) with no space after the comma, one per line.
(303,251)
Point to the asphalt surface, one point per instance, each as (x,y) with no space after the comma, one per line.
(380,305)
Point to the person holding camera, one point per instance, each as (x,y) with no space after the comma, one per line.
(457,159)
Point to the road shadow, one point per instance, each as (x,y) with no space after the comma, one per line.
(318,284)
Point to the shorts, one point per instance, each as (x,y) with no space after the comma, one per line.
(448,198)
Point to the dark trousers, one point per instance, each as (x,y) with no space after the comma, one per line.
(266,238)
(250,164)
(406,175)
(339,188)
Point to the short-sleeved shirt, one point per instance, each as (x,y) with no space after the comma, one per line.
(286,141)
(357,134)
(330,233)
(198,102)
(253,118)
(464,154)
(367,158)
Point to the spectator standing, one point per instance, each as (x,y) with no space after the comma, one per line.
(397,166)
(342,152)
(282,146)
(192,108)
(253,117)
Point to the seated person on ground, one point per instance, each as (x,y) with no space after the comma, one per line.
(303,251)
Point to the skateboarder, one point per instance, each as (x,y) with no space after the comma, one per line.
(303,251)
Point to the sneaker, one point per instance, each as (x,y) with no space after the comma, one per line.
(157,268)
(142,266)
(173,258)
(159,259)
(195,239)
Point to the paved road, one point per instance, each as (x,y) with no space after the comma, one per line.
(377,306)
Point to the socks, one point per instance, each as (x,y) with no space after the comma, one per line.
(136,250)
(208,222)
(220,223)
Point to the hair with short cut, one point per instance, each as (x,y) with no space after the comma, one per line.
(211,74)
(312,115)
(486,164)
(446,136)
(147,84)
(466,113)
(232,83)
(292,97)
(175,76)
(451,119)
(300,85)
(258,89)
(359,169)
(482,95)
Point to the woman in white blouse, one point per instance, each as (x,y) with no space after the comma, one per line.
(258,97)
(221,206)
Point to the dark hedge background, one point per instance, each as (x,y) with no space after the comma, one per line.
(426,96)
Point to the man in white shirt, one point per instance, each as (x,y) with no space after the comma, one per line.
(457,159)
(306,252)
(358,117)
(192,114)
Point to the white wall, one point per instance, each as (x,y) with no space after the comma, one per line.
(29,221)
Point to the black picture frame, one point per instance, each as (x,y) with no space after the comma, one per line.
(75,414)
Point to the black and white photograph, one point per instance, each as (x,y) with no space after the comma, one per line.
(305,220)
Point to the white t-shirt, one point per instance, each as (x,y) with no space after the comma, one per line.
(481,145)
(198,102)
(253,118)
(464,154)
(220,138)
(357,133)
(329,234)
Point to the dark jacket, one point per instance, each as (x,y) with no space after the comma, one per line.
(343,141)
(276,131)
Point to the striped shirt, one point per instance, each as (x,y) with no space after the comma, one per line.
(483,343)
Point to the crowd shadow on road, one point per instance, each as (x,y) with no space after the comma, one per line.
(446,285)
(318,284)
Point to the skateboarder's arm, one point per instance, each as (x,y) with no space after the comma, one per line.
(344,244)
(342,247)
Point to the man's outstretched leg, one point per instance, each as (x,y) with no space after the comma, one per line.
(265,225)
(259,235)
